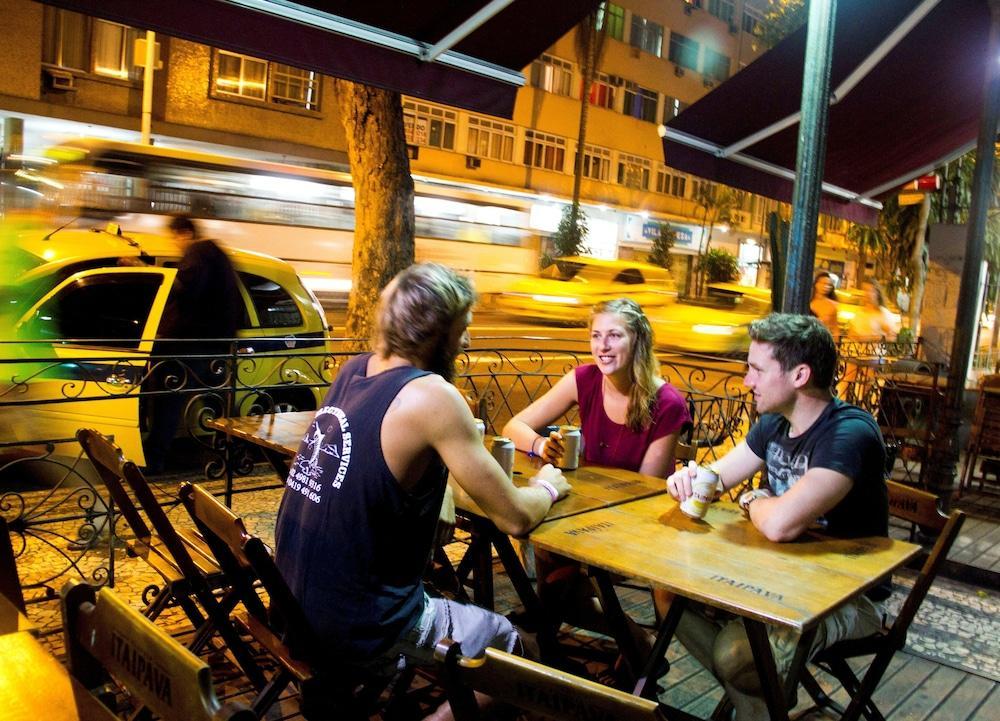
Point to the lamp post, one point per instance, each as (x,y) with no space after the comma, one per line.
(147,87)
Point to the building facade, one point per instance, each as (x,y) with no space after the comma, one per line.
(61,72)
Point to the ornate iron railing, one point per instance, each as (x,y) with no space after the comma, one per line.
(48,389)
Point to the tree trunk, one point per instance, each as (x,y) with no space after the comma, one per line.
(918,266)
(383,196)
(862,264)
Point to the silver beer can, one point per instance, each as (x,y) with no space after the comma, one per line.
(570,459)
(503,451)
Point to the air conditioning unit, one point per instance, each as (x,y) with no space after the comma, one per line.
(472,162)
(688,9)
(412,152)
(733,29)
(708,83)
(678,71)
(635,51)
(57,79)
(739,218)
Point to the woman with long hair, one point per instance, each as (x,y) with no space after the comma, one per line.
(629,418)
(824,302)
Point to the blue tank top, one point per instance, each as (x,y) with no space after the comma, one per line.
(351,543)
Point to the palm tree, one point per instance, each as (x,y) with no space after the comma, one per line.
(590,37)
(867,239)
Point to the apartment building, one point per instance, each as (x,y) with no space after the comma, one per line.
(64,72)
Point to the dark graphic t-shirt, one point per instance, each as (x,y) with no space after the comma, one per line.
(844,439)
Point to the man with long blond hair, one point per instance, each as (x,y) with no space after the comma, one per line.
(358,517)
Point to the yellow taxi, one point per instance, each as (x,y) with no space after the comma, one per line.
(567,290)
(83,319)
(718,324)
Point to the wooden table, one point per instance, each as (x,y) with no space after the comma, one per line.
(11,618)
(277,434)
(723,562)
(34,685)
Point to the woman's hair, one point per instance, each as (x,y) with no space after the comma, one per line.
(645,367)
(832,293)
(878,291)
(416,313)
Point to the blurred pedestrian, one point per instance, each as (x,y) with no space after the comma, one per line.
(203,311)
(824,302)
(873,321)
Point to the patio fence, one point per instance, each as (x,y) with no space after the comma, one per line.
(53,504)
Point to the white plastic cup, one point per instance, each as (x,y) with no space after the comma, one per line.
(702,493)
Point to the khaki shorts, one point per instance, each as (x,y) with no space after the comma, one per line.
(856,619)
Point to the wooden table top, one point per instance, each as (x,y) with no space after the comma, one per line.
(11,619)
(723,560)
(34,685)
(281,432)
(593,487)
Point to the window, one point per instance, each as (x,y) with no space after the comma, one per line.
(672,107)
(647,35)
(544,151)
(722,9)
(602,91)
(751,20)
(241,75)
(76,42)
(629,276)
(633,172)
(491,139)
(640,102)
(683,51)
(614,16)
(113,307)
(670,183)
(252,78)
(429,125)
(552,74)
(716,65)
(294,86)
(597,163)
(694,3)
(274,305)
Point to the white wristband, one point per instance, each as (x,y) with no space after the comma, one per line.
(536,481)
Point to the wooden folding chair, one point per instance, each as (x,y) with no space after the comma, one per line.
(882,645)
(533,687)
(984,440)
(246,560)
(182,559)
(105,638)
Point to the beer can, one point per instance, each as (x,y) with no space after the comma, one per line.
(570,459)
(703,489)
(503,451)
(481,427)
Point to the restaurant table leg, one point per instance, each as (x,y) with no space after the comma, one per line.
(617,621)
(656,665)
(547,626)
(763,659)
(798,663)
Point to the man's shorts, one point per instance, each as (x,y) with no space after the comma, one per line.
(855,619)
(475,628)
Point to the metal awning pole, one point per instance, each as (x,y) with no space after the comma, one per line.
(809,162)
(966,318)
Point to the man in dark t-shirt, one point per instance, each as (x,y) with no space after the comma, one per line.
(825,463)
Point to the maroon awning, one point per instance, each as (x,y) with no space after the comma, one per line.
(377,42)
(917,107)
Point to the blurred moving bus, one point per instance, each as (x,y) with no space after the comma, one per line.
(301,214)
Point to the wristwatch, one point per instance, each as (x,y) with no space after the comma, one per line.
(750,496)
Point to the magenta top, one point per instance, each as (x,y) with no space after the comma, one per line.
(607,443)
